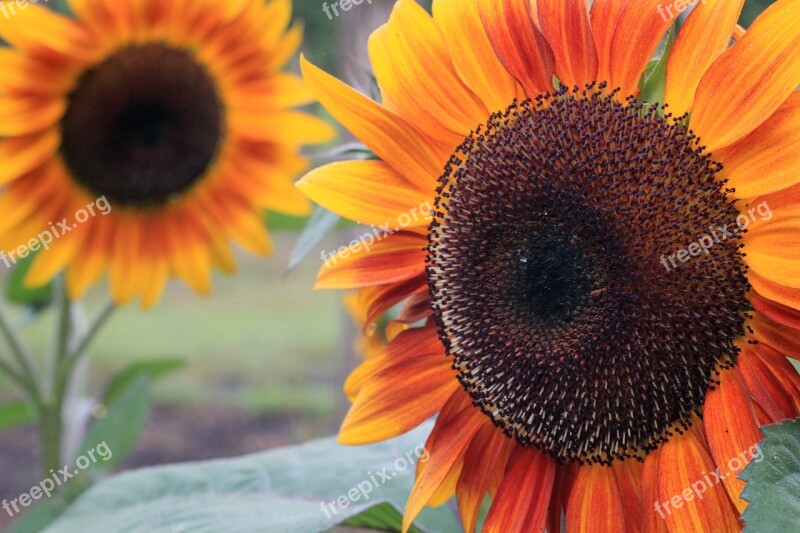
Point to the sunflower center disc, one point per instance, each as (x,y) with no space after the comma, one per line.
(551,280)
(142,126)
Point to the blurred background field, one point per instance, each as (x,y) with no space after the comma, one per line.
(266,356)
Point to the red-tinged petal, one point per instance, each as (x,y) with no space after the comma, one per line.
(766,65)
(772,380)
(605,15)
(21,155)
(765,161)
(595,503)
(783,339)
(777,313)
(389,136)
(383,410)
(704,36)
(521,504)
(414,342)
(455,428)
(565,477)
(378,300)
(685,473)
(732,431)
(787,296)
(655,513)
(365,262)
(565,24)
(519,44)
(629,481)
(639,30)
(486,457)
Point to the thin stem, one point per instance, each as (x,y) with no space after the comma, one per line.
(22,355)
(16,376)
(73,356)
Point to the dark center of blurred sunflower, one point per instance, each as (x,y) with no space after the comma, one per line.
(142,126)
(552,278)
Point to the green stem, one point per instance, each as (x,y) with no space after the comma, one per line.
(27,377)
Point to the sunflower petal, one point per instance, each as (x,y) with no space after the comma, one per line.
(766,64)
(524,496)
(472,53)
(454,430)
(370,192)
(21,155)
(604,15)
(732,431)
(385,409)
(705,35)
(765,161)
(683,476)
(595,503)
(565,24)
(519,44)
(363,263)
(639,30)
(389,136)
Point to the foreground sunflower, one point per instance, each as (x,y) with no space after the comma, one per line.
(599,336)
(144,136)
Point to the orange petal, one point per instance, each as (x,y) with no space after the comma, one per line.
(413,342)
(519,44)
(398,398)
(629,482)
(521,503)
(772,381)
(787,296)
(690,497)
(565,25)
(369,192)
(766,66)
(765,161)
(366,262)
(732,431)
(703,37)
(29,114)
(783,339)
(595,503)
(474,59)
(772,247)
(486,457)
(21,155)
(389,136)
(604,16)
(639,30)
(377,300)
(654,514)
(454,430)
(45,33)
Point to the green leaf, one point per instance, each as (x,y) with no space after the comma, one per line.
(15,414)
(321,222)
(654,79)
(153,369)
(120,427)
(38,518)
(18,293)
(773,481)
(283,490)
(382,517)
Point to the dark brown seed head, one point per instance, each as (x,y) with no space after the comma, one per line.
(547,281)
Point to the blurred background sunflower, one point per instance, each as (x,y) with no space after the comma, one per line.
(175,115)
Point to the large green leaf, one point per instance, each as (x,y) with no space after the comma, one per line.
(654,80)
(278,491)
(773,482)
